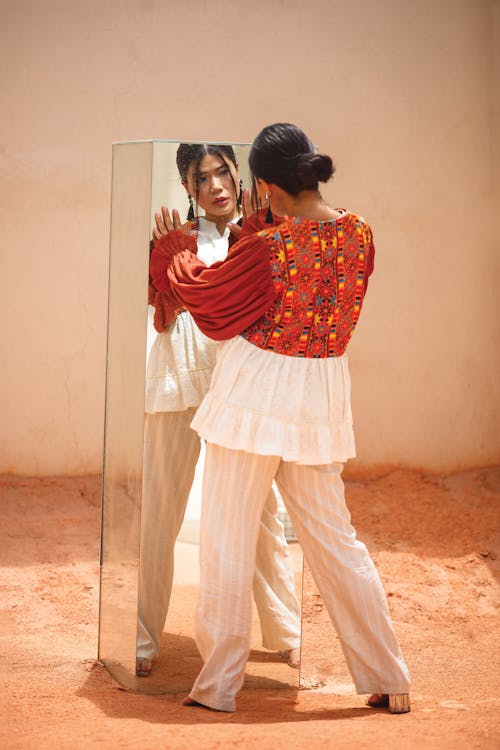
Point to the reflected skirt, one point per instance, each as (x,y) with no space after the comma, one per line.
(180,367)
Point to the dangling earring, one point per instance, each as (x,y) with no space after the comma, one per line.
(190,216)
(269,214)
(240,196)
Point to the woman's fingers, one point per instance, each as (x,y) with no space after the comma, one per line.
(176,219)
(167,219)
(168,222)
(165,222)
(247,204)
(160,226)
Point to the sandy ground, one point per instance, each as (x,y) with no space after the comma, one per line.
(435,541)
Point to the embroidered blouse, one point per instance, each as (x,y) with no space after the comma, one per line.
(320,274)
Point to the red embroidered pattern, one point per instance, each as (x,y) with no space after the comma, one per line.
(320,272)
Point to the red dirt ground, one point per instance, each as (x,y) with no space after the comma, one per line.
(435,541)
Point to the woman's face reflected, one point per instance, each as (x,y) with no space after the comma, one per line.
(216,187)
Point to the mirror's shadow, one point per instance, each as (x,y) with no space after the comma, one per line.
(150,451)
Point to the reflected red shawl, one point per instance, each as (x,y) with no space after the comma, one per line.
(225,298)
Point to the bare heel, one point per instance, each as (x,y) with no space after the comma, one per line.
(399,703)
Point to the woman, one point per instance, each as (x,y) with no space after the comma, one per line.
(178,375)
(278,408)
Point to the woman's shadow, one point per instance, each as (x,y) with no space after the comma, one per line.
(265,699)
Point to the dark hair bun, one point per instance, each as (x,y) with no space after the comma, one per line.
(283,155)
(314,168)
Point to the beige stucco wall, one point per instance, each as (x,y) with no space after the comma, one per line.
(404,95)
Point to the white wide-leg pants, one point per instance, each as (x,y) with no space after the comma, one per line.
(235,488)
(171,450)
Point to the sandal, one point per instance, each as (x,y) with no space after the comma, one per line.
(397,703)
(143,666)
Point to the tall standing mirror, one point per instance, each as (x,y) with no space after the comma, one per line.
(153,462)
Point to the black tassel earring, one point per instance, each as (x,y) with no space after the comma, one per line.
(240,196)
(269,213)
(190,216)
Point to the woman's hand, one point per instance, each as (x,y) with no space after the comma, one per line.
(246,209)
(166,223)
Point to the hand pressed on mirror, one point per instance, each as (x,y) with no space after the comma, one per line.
(179,369)
(166,222)
(247,210)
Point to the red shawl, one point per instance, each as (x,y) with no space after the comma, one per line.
(225,298)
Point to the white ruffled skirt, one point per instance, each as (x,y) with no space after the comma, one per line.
(180,366)
(271,404)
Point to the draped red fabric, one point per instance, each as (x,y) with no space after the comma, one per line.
(163,251)
(369,263)
(166,306)
(223,299)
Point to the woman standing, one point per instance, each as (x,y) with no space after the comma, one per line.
(179,369)
(278,408)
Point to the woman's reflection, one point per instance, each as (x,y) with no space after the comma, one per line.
(178,375)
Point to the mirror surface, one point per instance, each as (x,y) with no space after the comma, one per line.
(151,456)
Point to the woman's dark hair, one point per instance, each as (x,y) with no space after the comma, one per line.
(283,155)
(191,154)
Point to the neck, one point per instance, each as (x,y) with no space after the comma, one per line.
(221,222)
(308,204)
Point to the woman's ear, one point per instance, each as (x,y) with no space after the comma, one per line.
(185,186)
(263,187)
